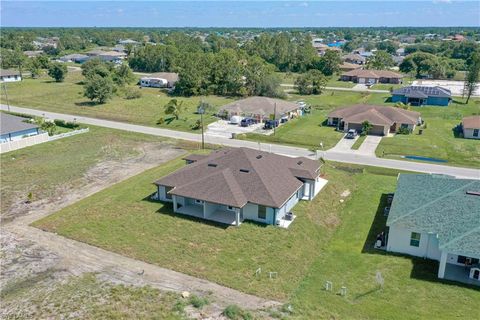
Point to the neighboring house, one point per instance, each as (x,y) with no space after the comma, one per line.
(160,80)
(471,127)
(384,120)
(422,95)
(10,76)
(112,56)
(372,76)
(346,66)
(261,108)
(128,41)
(232,185)
(14,128)
(33,54)
(400,52)
(94,53)
(75,57)
(355,58)
(438,217)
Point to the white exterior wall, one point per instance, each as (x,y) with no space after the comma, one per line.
(250,212)
(11,78)
(288,206)
(399,241)
(162,194)
(468,133)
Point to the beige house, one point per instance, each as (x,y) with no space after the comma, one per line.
(384,120)
(372,76)
(261,108)
(471,127)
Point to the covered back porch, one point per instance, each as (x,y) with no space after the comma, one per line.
(459,268)
(207,210)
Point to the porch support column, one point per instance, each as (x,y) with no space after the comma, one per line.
(237,217)
(443,263)
(204,204)
(175,207)
(312,190)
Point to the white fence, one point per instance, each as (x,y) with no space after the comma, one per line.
(36,139)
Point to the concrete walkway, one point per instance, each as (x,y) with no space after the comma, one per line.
(275,148)
(369,145)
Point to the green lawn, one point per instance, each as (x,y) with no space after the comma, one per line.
(333,81)
(44,168)
(438,140)
(324,243)
(86,297)
(67,97)
(359,142)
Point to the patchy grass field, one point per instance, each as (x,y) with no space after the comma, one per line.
(67,97)
(326,242)
(333,81)
(439,139)
(47,169)
(86,297)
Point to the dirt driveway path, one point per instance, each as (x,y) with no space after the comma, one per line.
(76,258)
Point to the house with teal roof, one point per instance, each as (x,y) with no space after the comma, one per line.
(438,217)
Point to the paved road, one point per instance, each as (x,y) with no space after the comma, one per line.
(332,155)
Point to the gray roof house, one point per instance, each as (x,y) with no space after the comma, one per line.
(15,128)
(438,217)
(261,108)
(422,95)
(232,185)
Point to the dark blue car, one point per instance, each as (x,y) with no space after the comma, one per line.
(270,124)
(246,122)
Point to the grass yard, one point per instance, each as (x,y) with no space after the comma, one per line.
(324,243)
(359,142)
(43,168)
(333,81)
(67,97)
(86,297)
(439,139)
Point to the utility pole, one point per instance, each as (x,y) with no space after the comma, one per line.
(203,137)
(6,95)
(274,117)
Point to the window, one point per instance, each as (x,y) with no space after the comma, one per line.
(415,239)
(262,212)
(230,208)
(168,195)
(404,126)
(198,201)
(475,132)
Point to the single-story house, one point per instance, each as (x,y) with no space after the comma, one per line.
(75,57)
(346,66)
(422,95)
(261,108)
(15,128)
(128,41)
(384,120)
(438,217)
(94,53)
(231,185)
(355,58)
(112,56)
(33,53)
(471,127)
(372,76)
(10,75)
(160,80)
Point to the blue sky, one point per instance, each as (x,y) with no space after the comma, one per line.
(239,13)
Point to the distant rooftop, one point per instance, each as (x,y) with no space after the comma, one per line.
(423,91)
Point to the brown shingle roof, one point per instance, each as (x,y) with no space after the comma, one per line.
(382,115)
(260,105)
(372,74)
(472,122)
(236,176)
(7,73)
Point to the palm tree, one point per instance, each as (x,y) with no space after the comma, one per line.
(366,127)
(174,107)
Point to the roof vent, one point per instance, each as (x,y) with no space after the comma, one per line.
(212,165)
(259,156)
(299,162)
(473,193)
(244,170)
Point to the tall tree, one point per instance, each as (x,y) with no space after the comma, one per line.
(57,71)
(473,74)
(329,63)
(174,107)
(381,61)
(311,82)
(98,88)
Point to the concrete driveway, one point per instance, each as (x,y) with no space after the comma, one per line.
(224,129)
(344,145)
(369,146)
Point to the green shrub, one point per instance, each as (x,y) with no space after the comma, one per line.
(132,93)
(198,302)
(196,125)
(66,124)
(161,120)
(404,130)
(234,312)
